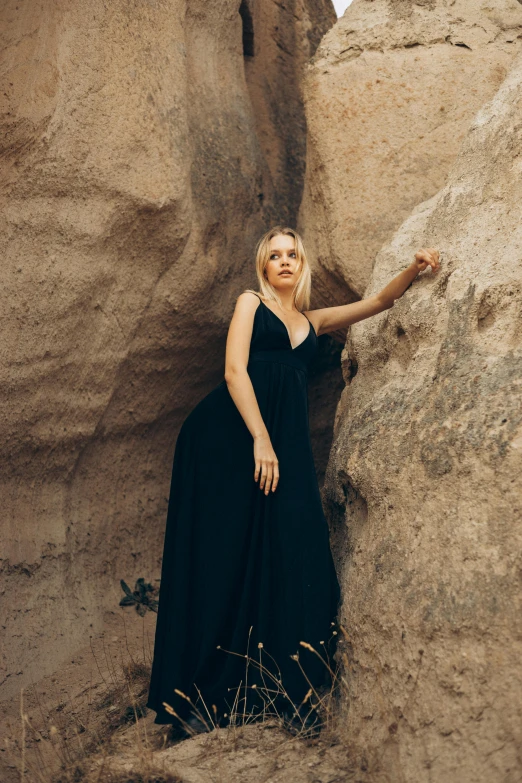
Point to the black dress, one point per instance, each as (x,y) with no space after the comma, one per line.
(240,568)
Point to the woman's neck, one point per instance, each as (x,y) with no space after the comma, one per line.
(287,300)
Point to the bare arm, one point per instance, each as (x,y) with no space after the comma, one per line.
(328,319)
(242,392)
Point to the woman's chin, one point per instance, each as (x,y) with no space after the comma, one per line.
(284,283)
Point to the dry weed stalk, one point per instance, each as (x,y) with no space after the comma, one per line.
(272,693)
(123,702)
(63,747)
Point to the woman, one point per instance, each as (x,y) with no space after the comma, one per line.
(247,573)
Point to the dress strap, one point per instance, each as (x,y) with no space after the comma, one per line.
(311,324)
(253,292)
(258,296)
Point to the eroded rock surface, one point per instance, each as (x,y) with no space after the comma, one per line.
(424,483)
(135,182)
(389,97)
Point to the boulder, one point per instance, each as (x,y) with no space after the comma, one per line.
(424,483)
(389,97)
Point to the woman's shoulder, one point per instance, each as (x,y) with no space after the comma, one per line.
(249,295)
(248,302)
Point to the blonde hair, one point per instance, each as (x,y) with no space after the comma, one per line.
(303,286)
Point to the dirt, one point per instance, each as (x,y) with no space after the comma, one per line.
(87,722)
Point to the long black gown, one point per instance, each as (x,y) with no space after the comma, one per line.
(240,567)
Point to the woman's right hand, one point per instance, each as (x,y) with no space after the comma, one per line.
(267,464)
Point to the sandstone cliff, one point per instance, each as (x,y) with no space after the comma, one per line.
(140,160)
(424,483)
(389,97)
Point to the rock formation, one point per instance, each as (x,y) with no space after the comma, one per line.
(389,97)
(424,483)
(137,174)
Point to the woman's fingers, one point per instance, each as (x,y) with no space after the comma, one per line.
(266,476)
(427,256)
(263,475)
(431,256)
(275,482)
(269,475)
(266,469)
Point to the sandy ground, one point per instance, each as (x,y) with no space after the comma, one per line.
(87,722)
(261,753)
(67,699)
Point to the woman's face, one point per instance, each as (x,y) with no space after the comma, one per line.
(281,270)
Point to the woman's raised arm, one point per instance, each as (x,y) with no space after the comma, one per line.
(329,319)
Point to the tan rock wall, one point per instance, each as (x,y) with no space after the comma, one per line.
(424,483)
(389,97)
(285,35)
(131,169)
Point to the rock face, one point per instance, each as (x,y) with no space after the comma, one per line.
(278,40)
(136,178)
(424,483)
(389,97)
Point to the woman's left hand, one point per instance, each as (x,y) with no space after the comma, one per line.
(427,256)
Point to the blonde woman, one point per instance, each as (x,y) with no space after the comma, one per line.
(247,571)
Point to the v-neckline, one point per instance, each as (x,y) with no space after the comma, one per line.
(286,327)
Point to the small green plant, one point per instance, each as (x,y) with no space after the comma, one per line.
(142,597)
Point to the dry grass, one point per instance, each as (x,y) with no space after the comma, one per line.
(314,713)
(62,750)
(115,741)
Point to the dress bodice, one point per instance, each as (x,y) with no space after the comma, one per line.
(271,341)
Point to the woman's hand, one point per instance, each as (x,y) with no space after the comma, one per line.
(426,256)
(267,465)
